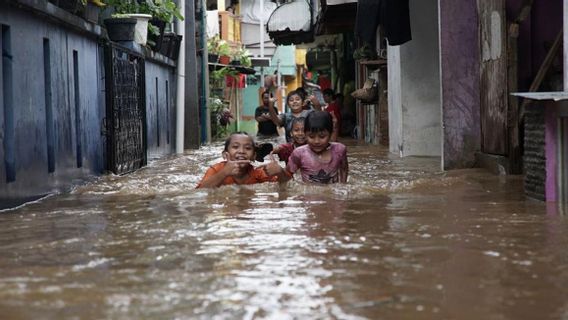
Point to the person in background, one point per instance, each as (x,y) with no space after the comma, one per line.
(309,101)
(239,152)
(298,139)
(334,109)
(266,128)
(295,103)
(347,118)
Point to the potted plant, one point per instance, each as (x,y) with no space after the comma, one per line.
(132,9)
(217,48)
(163,12)
(212,44)
(170,45)
(241,56)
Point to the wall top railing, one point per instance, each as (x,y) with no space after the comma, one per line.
(57,15)
(66,19)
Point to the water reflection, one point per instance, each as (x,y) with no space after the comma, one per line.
(400,240)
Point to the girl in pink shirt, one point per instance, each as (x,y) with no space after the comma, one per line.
(320,161)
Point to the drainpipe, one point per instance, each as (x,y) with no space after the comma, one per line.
(180,81)
(565,35)
(261,36)
(261,28)
(205,114)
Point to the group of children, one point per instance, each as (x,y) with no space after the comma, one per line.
(310,149)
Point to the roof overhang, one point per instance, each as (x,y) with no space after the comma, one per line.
(291,23)
(336,16)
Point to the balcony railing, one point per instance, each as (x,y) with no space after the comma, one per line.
(230,27)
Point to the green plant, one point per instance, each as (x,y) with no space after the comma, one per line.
(242,55)
(165,10)
(220,117)
(122,7)
(216,45)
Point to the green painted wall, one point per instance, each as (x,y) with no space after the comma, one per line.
(287,57)
(250,100)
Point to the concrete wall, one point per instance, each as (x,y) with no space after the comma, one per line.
(459,49)
(415,104)
(76,123)
(396,144)
(160,109)
(52,101)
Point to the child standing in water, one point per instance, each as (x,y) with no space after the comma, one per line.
(295,103)
(298,139)
(239,152)
(320,161)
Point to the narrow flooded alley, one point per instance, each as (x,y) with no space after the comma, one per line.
(402,240)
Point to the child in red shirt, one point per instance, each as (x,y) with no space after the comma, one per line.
(239,152)
(298,139)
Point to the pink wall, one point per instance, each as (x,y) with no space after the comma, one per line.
(551,137)
(459,45)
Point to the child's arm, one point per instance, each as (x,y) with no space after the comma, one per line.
(273,115)
(213,179)
(274,169)
(335,131)
(315,102)
(260,117)
(344,169)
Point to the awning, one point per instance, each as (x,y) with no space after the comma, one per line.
(337,2)
(336,16)
(291,23)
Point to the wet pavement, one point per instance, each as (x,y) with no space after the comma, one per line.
(401,240)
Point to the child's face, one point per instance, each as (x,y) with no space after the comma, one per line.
(295,103)
(298,134)
(318,141)
(241,147)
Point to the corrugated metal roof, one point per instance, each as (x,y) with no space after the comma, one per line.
(338,2)
(555,96)
(293,16)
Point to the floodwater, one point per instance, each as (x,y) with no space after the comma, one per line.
(401,240)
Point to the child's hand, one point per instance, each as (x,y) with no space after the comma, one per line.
(273,168)
(234,167)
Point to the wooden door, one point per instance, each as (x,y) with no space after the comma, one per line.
(493,82)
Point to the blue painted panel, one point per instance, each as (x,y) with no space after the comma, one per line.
(160,109)
(28,33)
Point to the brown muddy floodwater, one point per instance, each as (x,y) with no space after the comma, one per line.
(401,240)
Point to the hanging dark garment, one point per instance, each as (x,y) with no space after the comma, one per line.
(392,15)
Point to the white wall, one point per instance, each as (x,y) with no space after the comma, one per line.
(395,100)
(414,86)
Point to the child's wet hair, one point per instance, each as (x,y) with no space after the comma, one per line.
(293,93)
(230,137)
(302,92)
(300,120)
(318,121)
(328,92)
